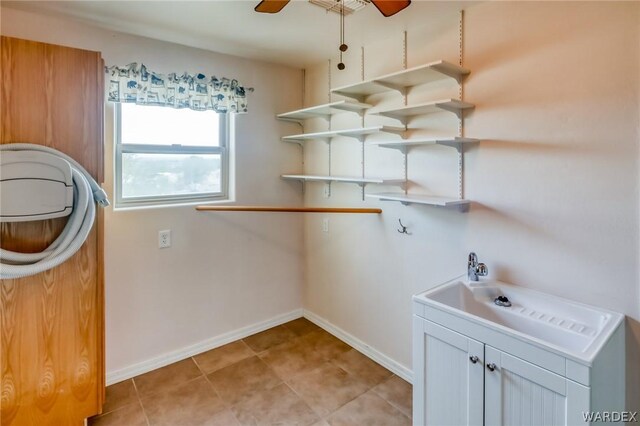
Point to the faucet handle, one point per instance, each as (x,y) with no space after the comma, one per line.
(482,270)
(473,259)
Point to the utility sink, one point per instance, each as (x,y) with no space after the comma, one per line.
(573,329)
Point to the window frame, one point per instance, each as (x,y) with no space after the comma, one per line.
(168,200)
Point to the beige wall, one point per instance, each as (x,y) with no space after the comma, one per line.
(554,184)
(554,181)
(224,271)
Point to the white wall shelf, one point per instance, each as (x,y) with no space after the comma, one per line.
(404,113)
(402,80)
(325,110)
(357,133)
(404,144)
(345,179)
(420,199)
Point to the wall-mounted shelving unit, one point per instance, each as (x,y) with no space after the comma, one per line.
(405,144)
(405,113)
(421,199)
(401,81)
(361,181)
(324,111)
(357,133)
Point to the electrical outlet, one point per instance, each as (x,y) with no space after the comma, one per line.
(325,225)
(164,238)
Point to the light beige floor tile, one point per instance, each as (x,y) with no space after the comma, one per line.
(190,404)
(223,356)
(269,338)
(119,395)
(276,406)
(301,326)
(325,344)
(129,415)
(366,370)
(370,410)
(292,358)
(398,393)
(242,379)
(166,378)
(327,388)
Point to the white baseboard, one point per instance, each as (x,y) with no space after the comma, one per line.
(206,345)
(382,359)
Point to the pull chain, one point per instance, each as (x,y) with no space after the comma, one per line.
(343,47)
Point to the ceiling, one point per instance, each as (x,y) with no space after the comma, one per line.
(300,35)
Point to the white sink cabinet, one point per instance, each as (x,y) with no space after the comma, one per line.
(476,363)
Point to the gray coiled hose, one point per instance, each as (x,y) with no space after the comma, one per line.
(85,191)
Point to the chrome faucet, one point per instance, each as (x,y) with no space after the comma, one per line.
(475,269)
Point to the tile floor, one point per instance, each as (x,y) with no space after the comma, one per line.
(292,374)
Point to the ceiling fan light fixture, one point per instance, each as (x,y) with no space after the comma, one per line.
(350,6)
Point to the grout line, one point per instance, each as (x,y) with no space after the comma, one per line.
(144,412)
(198,366)
(385,399)
(303,400)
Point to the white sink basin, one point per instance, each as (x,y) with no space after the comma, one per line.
(571,328)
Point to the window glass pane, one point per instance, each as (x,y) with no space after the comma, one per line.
(149,175)
(143,124)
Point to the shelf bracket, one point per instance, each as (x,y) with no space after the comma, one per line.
(457,111)
(457,77)
(455,145)
(401,118)
(391,86)
(359,98)
(362,186)
(401,131)
(291,120)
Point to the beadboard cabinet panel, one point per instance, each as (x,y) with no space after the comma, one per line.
(52,324)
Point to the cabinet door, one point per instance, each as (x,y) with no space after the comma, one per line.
(449,370)
(520,393)
(52,323)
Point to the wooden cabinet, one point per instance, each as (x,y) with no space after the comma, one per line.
(52,324)
(461,381)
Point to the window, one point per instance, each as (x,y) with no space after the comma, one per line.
(167,156)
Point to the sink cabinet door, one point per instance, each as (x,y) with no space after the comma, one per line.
(520,393)
(448,385)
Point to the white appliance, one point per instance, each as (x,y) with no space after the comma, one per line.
(34,185)
(37,183)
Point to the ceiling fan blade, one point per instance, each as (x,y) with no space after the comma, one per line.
(270,6)
(390,7)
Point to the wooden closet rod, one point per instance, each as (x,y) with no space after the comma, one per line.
(286,209)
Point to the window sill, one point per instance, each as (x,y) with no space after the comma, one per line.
(204,202)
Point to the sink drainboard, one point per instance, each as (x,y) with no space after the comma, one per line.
(566,324)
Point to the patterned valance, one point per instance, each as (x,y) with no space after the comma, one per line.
(135,83)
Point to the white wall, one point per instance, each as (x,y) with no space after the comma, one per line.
(554,180)
(554,184)
(224,271)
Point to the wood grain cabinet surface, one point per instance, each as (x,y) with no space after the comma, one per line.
(52,324)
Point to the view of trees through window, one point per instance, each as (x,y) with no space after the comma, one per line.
(165,152)
(148,175)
